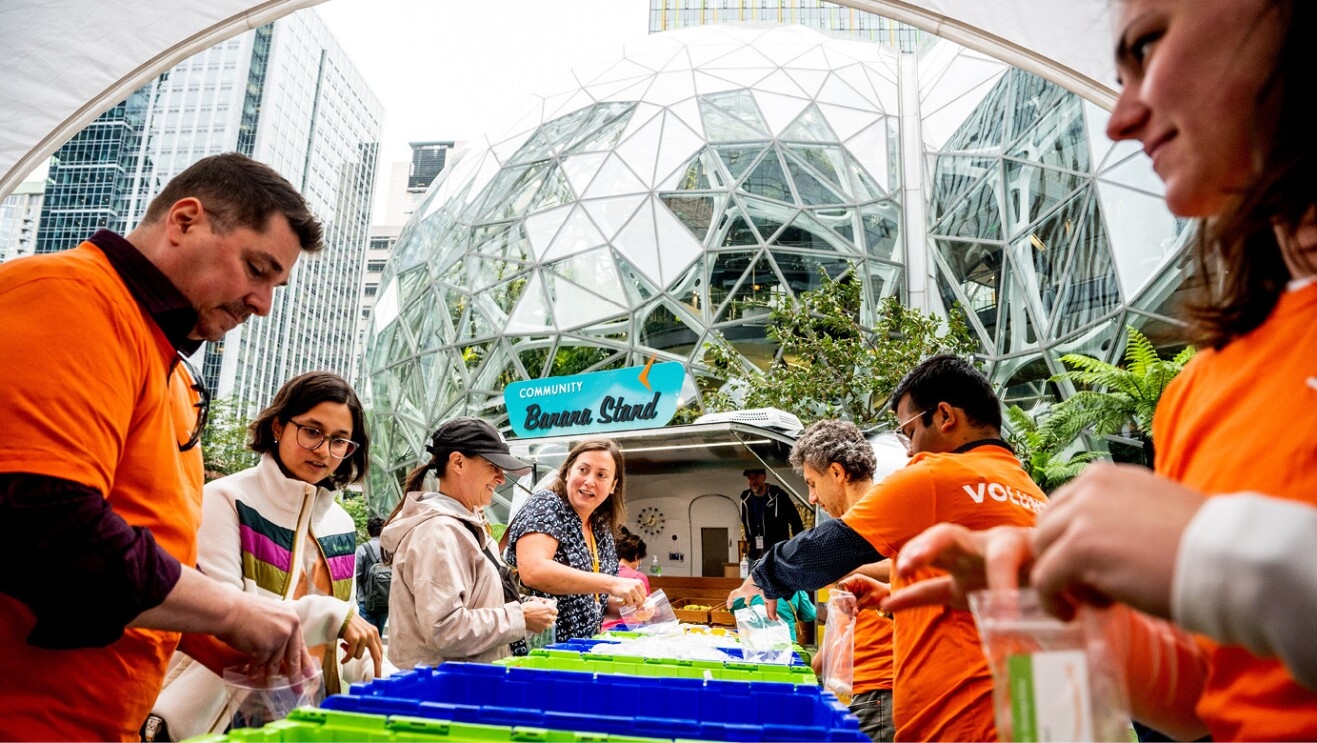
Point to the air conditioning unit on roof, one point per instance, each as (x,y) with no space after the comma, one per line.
(773,418)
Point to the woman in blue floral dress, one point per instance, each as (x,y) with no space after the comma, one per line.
(557,555)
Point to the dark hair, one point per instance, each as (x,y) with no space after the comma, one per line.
(374,525)
(954,381)
(630,546)
(830,441)
(612,511)
(300,394)
(238,191)
(1240,267)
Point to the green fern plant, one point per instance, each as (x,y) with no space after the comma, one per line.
(1040,454)
(1114,399)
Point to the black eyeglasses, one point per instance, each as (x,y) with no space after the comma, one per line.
(202,405)
(311,438)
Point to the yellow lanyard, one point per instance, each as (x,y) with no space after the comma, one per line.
(594,553)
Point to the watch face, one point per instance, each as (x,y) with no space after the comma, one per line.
(650,520)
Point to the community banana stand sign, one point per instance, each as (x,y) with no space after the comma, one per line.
(598,402)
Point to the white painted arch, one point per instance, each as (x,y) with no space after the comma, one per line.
(66,62)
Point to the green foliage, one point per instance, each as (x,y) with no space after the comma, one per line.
(224,440)
(355,504)
(1112,398)
(829,364)
(1042,455)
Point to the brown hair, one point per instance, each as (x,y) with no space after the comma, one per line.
(612,512)
(1240,267)
(300,394)
(238,191)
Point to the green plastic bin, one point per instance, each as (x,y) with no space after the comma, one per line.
(569,660)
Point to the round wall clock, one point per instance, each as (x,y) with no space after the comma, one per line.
(650,520)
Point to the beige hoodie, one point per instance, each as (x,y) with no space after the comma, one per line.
(446,598)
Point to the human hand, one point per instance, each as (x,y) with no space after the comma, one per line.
(539,615)
(995,558)
(869,593)
(747,591)
(268,632)
(630,591)
(1112,534)
(360,637)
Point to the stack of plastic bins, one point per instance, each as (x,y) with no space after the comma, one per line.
(568,660)
(306,725)
(582,645)
(672,708)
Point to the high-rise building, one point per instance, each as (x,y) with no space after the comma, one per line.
(20,214)
(285,94)
(837,20)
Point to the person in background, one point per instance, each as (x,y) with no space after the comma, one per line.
(277,530)
(562,543)
(100,469)
(1217,539)
(447,600)
(368,553)
(950,418)
(838,465)
(767,514)
(631,549)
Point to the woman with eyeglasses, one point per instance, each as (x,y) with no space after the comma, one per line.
(276,530)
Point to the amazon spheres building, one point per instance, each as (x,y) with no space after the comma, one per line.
(669,197)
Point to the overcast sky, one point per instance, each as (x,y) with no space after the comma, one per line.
(457,69)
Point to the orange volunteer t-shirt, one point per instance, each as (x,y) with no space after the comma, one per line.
(1239,419)
(942,688)
(873,667)
(87,398)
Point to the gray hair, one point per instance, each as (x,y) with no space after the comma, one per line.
(829,441)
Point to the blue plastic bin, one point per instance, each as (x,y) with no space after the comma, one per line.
(603,703)
(582,645)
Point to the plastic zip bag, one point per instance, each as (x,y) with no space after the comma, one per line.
(1052,680)
(656,610)
(257,698)
(838,649)
(763,640)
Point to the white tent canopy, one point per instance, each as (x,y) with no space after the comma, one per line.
(67,62)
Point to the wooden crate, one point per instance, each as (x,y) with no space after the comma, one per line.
(688,615)
(721,616)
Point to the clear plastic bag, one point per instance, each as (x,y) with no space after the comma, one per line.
(763,640)
(838,648)
(656,610)
(257,698)
(547,636)
(1052,680)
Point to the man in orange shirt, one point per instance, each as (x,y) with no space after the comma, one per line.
(100,473)
(961,472)
(838,464)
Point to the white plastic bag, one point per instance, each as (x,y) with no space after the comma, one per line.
(763,640)
(257,698)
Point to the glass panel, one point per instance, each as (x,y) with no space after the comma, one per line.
(726,270)
(810,126)
(611,215)
(768,180)
(596,270)
(882,230)
(805,232)
(1037,101)
(976,268)
(675,148)
(614,179)
(638,242)
(540,228)
(1044,254)
(1091,289)
(554,192)
(577,233)
(985,128)
(532,313)
(663,330)
(1032,191)
(731,117)
(839,221)
(1058,139)
(696,212)
(739,158)
(701,173)
(734,228)
(639,149)
(677,247)
(581,306)
(1017,330)
(978,215)
(1144,234)
(581,169)
(605,137)
(779,110)
(1028,385)
(537,147)
(867,153)
(824,162)
(812,191)
(953,176)
(804,272)
(768,217)
(749,294)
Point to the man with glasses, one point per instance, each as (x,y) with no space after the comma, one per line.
(100,472)
(960,471)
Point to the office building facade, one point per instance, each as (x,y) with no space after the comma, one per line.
(285,94)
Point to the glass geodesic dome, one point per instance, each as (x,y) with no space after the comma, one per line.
(675,194)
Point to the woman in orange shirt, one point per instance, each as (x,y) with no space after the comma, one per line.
(1217,92)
